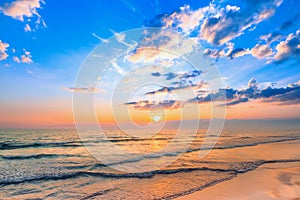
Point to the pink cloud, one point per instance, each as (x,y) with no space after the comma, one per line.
(3,49)
(22,8)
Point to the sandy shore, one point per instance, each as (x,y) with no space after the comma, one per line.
(267,182)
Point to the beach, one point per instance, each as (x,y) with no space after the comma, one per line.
(267,182)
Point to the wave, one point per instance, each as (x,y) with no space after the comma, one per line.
(37,156)
(67,175)
(9,146)
(171,154)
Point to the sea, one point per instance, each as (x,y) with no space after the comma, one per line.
(59,164)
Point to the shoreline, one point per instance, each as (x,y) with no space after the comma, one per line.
(269,181)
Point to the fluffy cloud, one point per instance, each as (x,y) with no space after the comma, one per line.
(3,49)
(288,48)
(219,25)
(262,51)
(161,45)
(26,58)
(22,8)
(185,19)
(231,21)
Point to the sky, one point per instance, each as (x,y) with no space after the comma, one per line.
(253,45)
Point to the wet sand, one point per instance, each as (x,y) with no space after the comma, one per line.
(267,182)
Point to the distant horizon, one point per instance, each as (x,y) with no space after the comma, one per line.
(239,123)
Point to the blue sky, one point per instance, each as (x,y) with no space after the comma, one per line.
(43,43)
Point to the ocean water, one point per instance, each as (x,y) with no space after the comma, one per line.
(55,164)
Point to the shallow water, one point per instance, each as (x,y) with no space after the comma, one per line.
(55,164)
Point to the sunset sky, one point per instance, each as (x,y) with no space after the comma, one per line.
(255,45)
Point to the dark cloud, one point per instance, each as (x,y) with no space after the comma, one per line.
(289,48)
(230,97)
(237,52)
(287,95)
(187,75)
(237,101)
(288,98)
(192,74)
(155,74)
(180,87)
(154,105)
(221,95)
(213,53)
(182,77)
(170,75)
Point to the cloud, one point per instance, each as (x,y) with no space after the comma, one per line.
(231,97)
(221,95)
(237,101)
(99,38)
(170,75)
(219,25)
(129,5)
(226,96)
(161,45)
(227,51)
(27,28)
(191,74)
(185,20)
(26,58)
(16,59)
(81,89)
(262,51)
(154,105)
(167,90)
(157,74)
(23,8)
(238,52)
(181,76)
(3,49)
(289,48)
(289,98)
(271,37)
(214,53)
(230,22)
